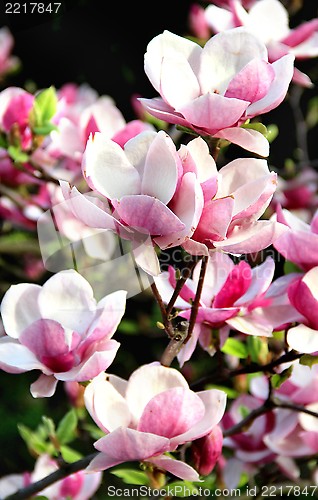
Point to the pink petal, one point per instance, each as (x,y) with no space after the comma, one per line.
(148,381)
(124,445)
(51,344)
(171,413)
(212,316)
(214,402)
(253,238)
(17,358)
(236,285)
(298,247)
(94,362)
(215,219)
(188,349)
(19,308)
(284,68)
(252,82)
(303,299)
(303,339)
(161,171)
(130,130)
(108,168)
(148,215)
(89,209)
(44,386)
(105,404)
(213,112)
(248,139)
(175,467)
(262,276)
(68,298)
(301,33)
(187,205)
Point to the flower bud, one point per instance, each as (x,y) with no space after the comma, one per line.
(206,451)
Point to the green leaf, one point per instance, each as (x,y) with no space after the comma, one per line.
(257,349)
(66,431)
(183,489)
(131,476)
(235,348)
(70,455)
(279,378)
(34,443)
(259,127)
(17,155)
(290,267)
(46,105)
(308,360)
(45,129)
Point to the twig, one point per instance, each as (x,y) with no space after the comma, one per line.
(197,298)
(186,273)
(166,322)
(66,470)
(175,344)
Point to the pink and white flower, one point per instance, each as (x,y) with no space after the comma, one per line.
(269,21)
(151,414)
(299,244)
(77,486)
(303,295)
(233,296)
(7,61)
(59,329)
(215,89)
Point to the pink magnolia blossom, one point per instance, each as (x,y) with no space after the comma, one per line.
(151,414)
(229,219)
(269,21)
(7,61)
(215,89)
(299,244)
(149,188)
(59,329)
(76,120)
(303,295)
(15,107)
(233,296)
(294,434)
(77,486)
(206,451)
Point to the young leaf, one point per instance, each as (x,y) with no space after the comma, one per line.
(131,476)
(235,348)
(66,430)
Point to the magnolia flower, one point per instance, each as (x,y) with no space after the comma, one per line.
(59,329)
(229,219)
(294,434)
(78,486)
(149,189)
(269,21)
(151,414)
(299,244)
(7,62)
(303,295)
(206,451)
(215,89)
(233,296)
(15,107)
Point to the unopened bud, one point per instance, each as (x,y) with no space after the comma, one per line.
(206,451)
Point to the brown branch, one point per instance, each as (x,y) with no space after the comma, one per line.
(38,486)
(175,344)
(186,273)
(197,298)
(166,322)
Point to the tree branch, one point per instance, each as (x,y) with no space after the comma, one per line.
(38,486)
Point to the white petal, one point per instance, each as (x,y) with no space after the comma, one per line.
(19,308)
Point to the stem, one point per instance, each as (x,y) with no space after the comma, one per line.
(175,344)
(66,470)
(269,405)
(186,273)
(197,298)
(167,323)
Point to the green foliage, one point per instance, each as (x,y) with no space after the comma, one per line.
(257,349)
(44,109)
(279,378)
(235,348)
(308,360)
(131,476)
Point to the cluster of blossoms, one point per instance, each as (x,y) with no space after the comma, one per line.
(71,152)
